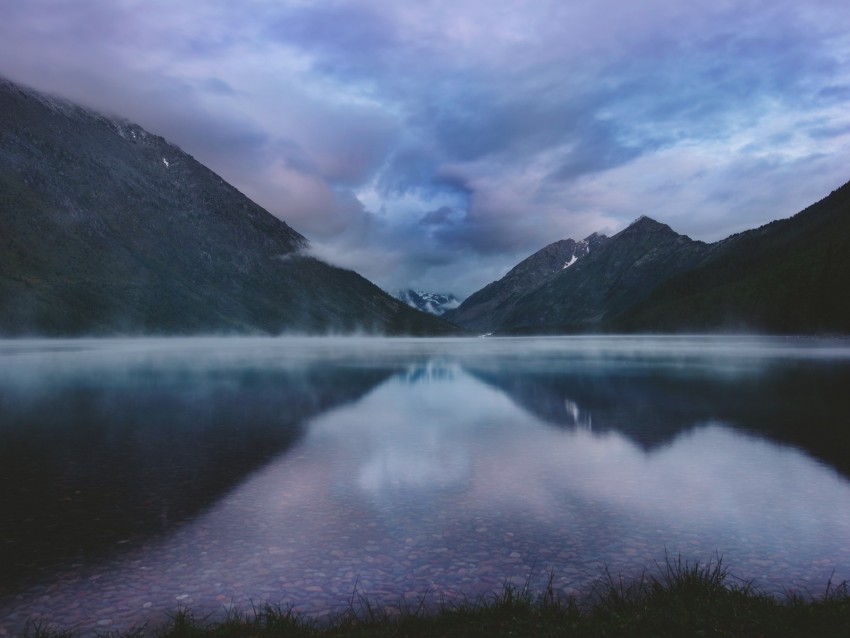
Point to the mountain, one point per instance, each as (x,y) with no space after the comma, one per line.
(431,302)
(485,309)
(625,269)
(108,229)
(789,276)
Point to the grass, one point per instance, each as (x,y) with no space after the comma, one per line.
(678,599)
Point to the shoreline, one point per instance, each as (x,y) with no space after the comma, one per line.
(677,598)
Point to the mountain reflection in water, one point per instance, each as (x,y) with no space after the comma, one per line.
(443,468)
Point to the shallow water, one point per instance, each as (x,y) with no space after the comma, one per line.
(139,475)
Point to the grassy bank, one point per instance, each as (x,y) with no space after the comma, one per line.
(678,599)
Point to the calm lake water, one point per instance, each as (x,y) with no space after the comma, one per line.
(141,475)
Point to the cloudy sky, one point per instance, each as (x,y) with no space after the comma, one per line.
(435,143)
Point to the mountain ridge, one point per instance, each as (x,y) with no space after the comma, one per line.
(629,264)
(788,275)
(106,228)
(498,298)
(785,276)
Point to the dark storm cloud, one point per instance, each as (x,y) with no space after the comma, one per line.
(438,217)
(436,143)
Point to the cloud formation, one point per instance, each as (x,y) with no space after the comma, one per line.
(435,144)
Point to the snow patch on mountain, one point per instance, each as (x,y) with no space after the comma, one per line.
(430,302)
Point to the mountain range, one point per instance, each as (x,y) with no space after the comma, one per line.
(788,276)
(435,303)
(106,228)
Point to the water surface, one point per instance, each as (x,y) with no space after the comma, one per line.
(138,475)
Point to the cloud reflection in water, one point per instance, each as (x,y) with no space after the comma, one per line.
(437,482)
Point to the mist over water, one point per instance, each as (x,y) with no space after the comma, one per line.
(143,474)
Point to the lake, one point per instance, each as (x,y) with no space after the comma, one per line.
(139,475)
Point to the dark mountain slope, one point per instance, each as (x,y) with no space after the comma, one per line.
(625,269)
(485,309)
(105,228)
(789,276)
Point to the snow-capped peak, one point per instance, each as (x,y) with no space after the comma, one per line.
(431,302)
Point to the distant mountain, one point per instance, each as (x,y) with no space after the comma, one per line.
(486,309)
(431,302)
(106,228)
(789,276)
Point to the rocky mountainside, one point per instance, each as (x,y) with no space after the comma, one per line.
(789,276)
(108,229)
(486,309)
(435,303)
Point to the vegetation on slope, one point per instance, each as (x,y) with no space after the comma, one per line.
(789,276)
